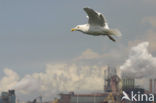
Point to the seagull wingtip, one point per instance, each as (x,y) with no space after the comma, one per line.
(86,8)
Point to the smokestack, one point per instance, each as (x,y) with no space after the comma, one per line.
(150,85)
(155,85)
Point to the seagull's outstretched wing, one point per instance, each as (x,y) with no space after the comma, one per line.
(95,18)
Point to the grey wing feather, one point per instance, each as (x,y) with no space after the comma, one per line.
(95,18)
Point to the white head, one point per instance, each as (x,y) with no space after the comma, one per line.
(82,28)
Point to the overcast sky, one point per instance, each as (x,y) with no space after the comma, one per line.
(34,33)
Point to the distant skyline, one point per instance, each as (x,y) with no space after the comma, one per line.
(36,33)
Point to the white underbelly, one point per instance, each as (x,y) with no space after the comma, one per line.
(97,31)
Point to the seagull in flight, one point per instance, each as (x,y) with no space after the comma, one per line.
(96,25)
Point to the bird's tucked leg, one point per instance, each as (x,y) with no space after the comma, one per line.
(111,38)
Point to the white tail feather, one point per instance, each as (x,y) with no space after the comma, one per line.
(115,32)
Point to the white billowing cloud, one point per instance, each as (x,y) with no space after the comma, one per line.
(56,78)
(72,76)
(140,64)
(9,80)
(28,84)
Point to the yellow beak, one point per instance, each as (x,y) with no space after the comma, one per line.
(73,29)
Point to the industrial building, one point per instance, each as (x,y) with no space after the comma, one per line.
(110,93)
(8,97)
(111,80)
(113,91)
(152,85)
(82,98)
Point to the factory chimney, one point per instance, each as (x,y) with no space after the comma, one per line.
(155,86)
(150,85)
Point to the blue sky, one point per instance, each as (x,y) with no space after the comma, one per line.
(36,32)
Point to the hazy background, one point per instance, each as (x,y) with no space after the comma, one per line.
(35,37)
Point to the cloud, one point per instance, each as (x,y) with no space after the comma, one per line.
(56,78)
(88,54)
(106,57)
(9,80)
(140,64)
(27,85)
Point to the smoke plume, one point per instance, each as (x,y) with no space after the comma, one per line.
(140,64)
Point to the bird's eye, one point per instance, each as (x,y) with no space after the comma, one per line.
(78,27)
